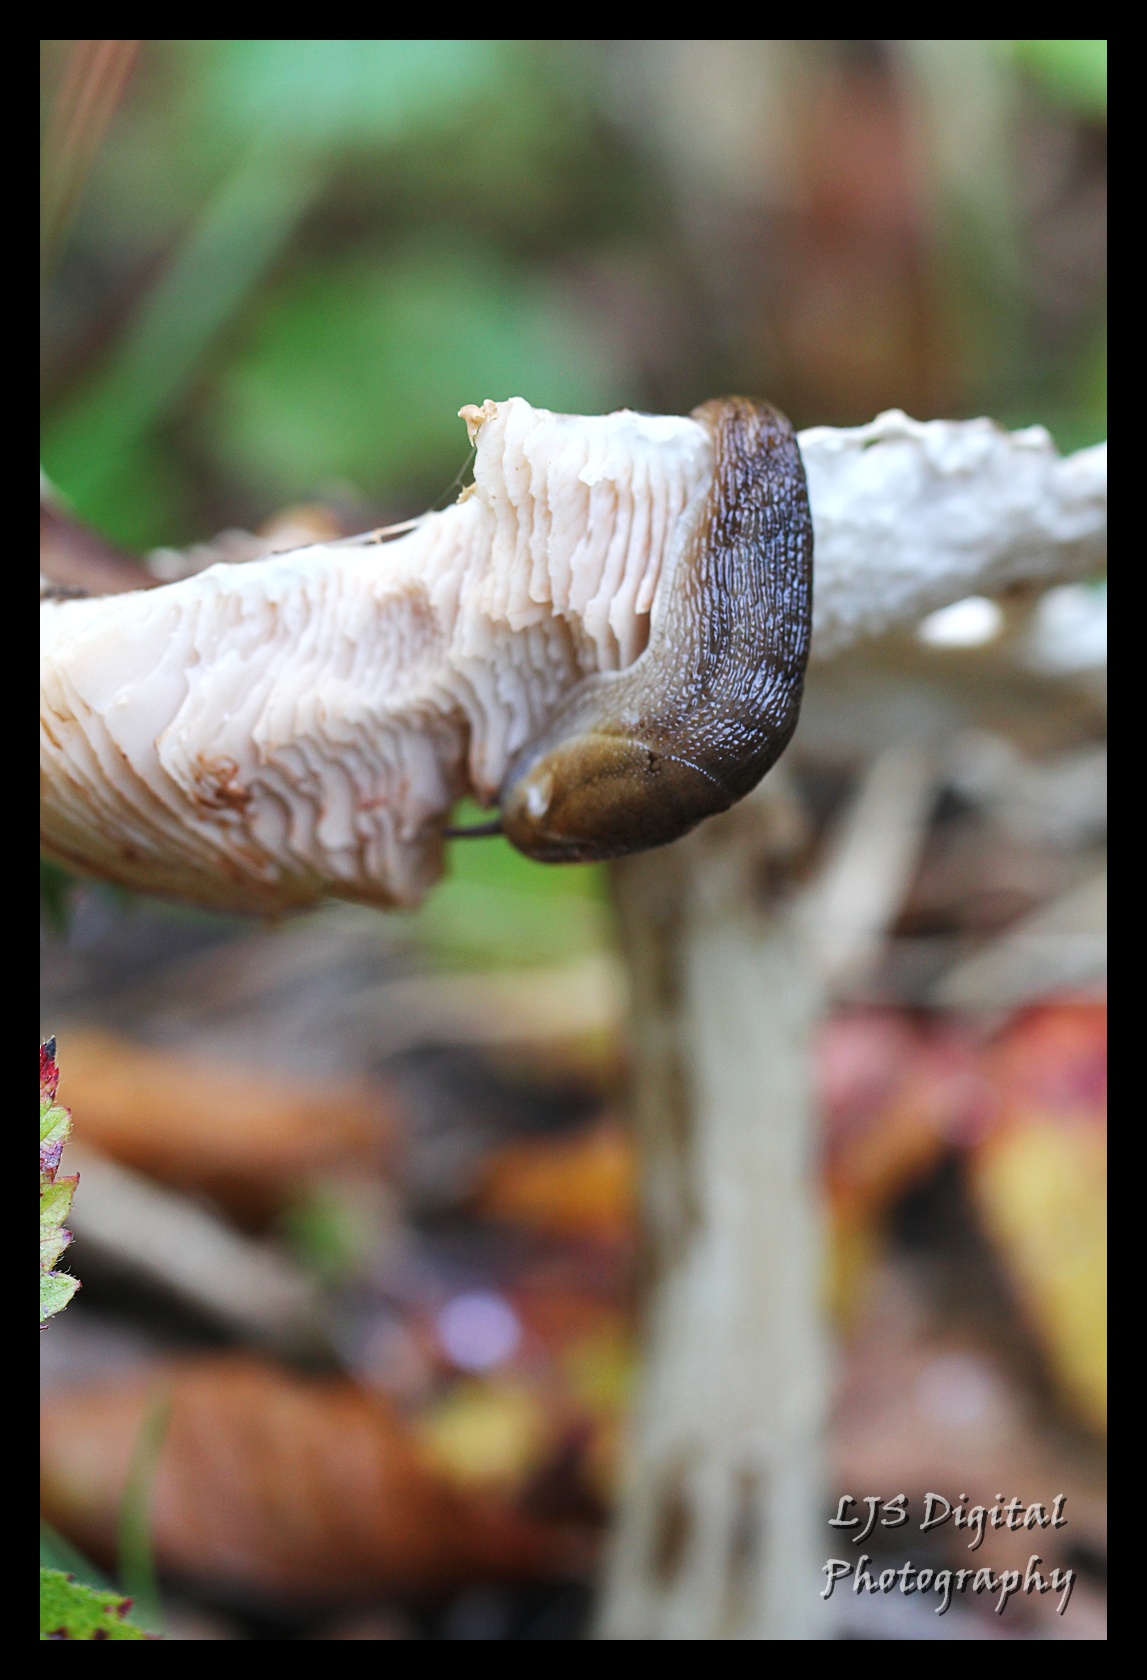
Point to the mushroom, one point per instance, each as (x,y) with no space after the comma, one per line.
(606,635)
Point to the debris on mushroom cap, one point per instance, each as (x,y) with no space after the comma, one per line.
(257,736)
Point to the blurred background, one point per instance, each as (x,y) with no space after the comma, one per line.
(356,1226)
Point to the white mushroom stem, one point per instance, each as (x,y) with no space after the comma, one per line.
(259,735)
(716,1534)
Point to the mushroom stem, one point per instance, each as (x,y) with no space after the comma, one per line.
(716,1532)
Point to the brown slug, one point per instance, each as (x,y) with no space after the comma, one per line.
(637,758)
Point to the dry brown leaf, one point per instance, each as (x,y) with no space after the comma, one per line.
(573,1186)
(279,1484)
(239,1134)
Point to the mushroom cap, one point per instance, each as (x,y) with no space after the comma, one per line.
(259,735)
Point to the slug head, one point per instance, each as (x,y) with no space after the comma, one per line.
(599,796)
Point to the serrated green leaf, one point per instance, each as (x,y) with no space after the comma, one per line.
(56,1290)
(56,1200)
(55,1193)
(52,1245)
(69,1610)
(55,1123)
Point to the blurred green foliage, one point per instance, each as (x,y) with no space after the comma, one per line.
(293,261)
(102,449)
(1074,71)
(332,1229)
(55,890)
(328,95)
(136,1553)
(498,909)
(290,353)
(300,402)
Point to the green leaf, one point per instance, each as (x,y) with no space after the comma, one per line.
(55,1124)
(69,1610)
(56,1290)
(56,1200)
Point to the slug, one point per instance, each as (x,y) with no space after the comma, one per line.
(637,758)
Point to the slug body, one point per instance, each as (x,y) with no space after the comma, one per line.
(637,758)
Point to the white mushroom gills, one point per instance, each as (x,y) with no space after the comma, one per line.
(257,736)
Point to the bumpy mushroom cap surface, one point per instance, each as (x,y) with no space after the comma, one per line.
(257,736)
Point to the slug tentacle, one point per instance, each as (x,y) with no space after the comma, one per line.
(637,758)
